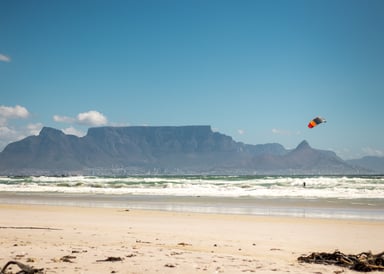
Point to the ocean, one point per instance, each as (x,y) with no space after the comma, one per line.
(340,197)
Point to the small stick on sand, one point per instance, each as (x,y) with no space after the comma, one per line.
(28,227)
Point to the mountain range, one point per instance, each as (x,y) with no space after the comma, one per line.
(166,150)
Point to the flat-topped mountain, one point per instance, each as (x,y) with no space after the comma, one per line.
(160,150)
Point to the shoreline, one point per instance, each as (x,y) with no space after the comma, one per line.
(150,241)
(353,209)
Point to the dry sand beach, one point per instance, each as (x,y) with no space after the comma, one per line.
(64,239)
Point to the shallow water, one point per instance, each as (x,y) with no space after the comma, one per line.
(340,197)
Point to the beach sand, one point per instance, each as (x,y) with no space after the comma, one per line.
(64,239)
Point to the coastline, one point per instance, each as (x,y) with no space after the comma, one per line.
(353,209)
(149,241)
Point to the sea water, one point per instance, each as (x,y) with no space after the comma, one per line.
(354,197)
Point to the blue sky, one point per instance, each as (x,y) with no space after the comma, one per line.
(255,70)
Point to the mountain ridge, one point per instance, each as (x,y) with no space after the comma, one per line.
(161,150)
(375,163)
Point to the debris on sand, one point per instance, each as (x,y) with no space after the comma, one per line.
(111,259)
(25,269)
(67,258)
(363,262)
(183,244)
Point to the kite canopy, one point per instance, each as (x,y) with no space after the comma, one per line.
(316,121)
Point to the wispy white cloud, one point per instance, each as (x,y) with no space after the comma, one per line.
(5,58)
(5,132)
(34,129)
(3,121)
(89,118)
(9,134)
(373,151)
(63,119)
(241,131)
(13,112)
(73,131)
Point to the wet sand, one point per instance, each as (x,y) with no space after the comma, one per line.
(65,239)
(360,209)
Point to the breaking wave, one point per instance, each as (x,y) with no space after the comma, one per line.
(339,187)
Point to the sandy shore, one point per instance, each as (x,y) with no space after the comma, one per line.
(79,240)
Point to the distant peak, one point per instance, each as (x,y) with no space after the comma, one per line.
(303,145)
(49,131)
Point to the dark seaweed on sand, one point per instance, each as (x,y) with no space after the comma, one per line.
(363,262)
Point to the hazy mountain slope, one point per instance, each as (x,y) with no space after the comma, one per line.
(165,150)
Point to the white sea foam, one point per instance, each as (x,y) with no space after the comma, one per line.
(327,196)
(212,186)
